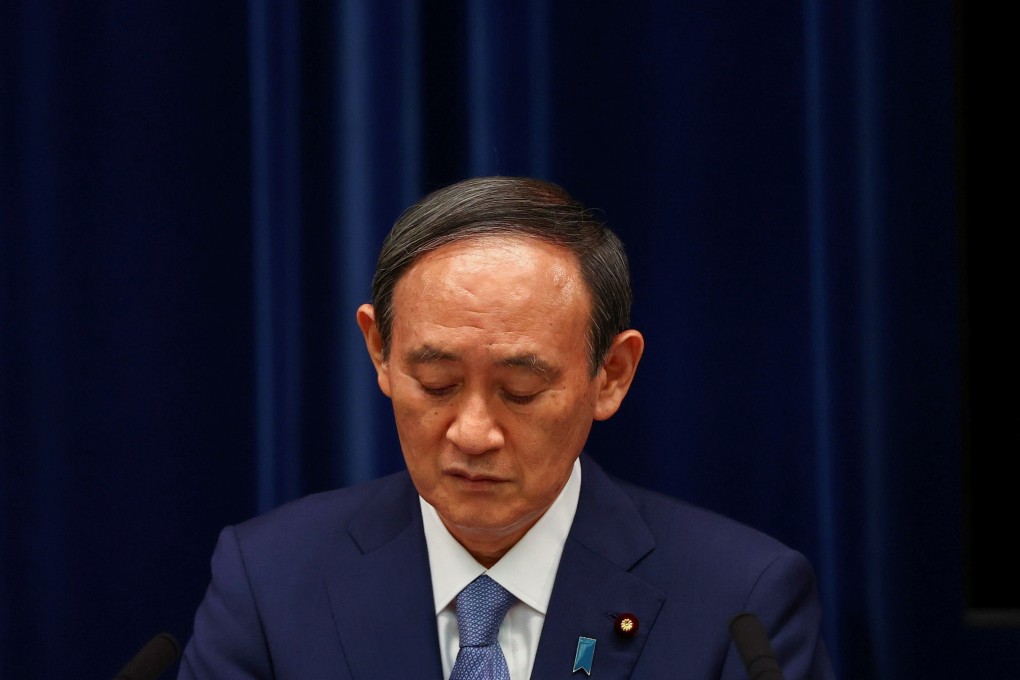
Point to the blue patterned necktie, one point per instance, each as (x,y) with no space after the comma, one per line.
(481,607)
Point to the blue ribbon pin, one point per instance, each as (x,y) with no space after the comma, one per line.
(585,654)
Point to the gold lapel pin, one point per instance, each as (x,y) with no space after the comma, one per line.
(626,625)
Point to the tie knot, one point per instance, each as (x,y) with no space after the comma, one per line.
(481,607)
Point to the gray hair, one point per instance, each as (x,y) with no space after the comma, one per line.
(522,206)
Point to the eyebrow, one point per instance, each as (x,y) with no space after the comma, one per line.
(533,364)
(427,354)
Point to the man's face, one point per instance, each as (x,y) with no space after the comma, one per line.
(489,378)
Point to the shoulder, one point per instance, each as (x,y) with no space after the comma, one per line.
(709,568)
(324,520)
(675,522)
(677,528)
(710,558)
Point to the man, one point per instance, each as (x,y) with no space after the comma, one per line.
(499,330)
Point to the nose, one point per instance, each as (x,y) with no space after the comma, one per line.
(474,430)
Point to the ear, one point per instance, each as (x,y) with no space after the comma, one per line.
(374,344)
(617,372)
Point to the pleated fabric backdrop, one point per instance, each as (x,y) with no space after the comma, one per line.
(193,199)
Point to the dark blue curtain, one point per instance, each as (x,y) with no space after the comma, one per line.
(193,196)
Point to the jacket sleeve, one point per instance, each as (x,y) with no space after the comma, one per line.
(785,600)
(228,639)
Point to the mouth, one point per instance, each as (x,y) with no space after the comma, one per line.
(478,480)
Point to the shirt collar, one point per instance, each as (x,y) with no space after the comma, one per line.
(527,570)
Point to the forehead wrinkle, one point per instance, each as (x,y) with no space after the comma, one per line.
(488,251)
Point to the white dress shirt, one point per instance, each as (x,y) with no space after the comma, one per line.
(527,571)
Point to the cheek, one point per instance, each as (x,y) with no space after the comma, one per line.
(419,426)
(571,415)
(556,437)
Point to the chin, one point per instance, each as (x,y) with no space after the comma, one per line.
(469,517)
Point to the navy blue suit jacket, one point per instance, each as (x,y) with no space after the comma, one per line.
(337,585)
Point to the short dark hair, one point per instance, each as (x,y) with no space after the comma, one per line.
(488,206)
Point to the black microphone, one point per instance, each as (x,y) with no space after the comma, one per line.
(754,648)
(152,659)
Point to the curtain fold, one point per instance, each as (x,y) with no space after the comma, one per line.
(276,108)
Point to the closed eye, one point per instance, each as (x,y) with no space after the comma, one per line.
(519,398)
(444,391)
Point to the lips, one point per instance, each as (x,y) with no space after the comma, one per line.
(475,477)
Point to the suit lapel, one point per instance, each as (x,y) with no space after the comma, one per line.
(382,596)
(593,584)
